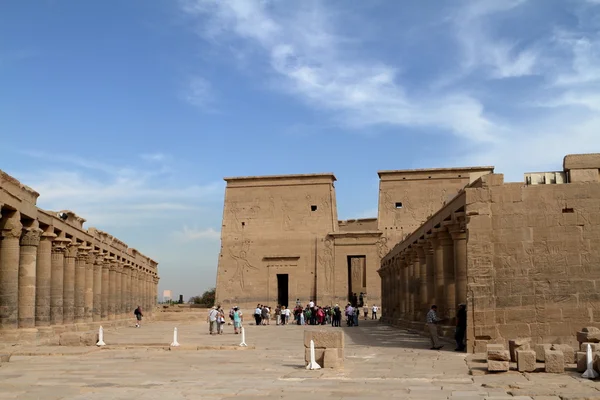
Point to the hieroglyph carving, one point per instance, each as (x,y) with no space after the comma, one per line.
(382,247)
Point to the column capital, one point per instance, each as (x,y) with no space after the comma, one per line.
(48,235)
(59,245)
(105,261)
(72,249)
(11,226)
(83,253)
(31,237)
(112,264)
(119,267)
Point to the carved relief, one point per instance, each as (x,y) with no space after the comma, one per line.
(326,262)
(382,247)
(242,264)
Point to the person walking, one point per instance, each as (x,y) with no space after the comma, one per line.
(432,321)
(461,327)
(366,311)
(213,317)
(238,318)
(374,311)
(138,316)
(258,314)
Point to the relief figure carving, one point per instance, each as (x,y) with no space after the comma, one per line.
(242,263)
(326,261)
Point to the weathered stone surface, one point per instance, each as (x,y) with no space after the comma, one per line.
(581,361)
(494,346)
(498,355)
(5,357)
(526,360)
(333,358)
(498,366)
(324,339)
(567,351)
(595,346)
(540,351)
(89,338)
(70,339)
(555,361)
(588,337)
(518,344)
(581,161)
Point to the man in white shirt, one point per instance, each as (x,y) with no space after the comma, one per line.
(374,312)
(213,315)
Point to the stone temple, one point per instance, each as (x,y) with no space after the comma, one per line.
(282,241)
(57,277)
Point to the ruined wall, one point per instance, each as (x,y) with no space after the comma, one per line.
(274,225)
(407,198)
(533,260)
(352,225)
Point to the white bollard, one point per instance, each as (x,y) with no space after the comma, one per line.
(590,373)
(243,344)
(175,343)
(313,363)
(101,337)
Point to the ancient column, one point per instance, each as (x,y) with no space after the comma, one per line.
(59,248)
(414,284)
(10,224)
(430,266)
(30,239)
(124,306)
(395,292)
(118,288)
(127,291)
(112,288)
(406,285)
(97,307)
(438,262)
(449,283)
(105,287)
(422,273)
(80,263)
(43,278)
(88,296)
(459,236)
(69,283)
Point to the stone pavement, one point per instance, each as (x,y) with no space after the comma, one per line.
(380,362)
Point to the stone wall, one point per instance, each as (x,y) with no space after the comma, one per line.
(534,260)
(55,276)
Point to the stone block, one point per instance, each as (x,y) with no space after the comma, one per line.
(498,355)
(567,351)
(555,361)
(4,358)
(333,359)
(324,339)
(70,339)
(581,161)
(595,346)
(498,366)
(319,356)
(525,360)
(518,344)
(589,334)
(494,347)
(540,351)
(89,338)
(581,361)
(480,346)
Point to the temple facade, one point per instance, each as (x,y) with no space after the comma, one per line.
(56,276)
(281,240)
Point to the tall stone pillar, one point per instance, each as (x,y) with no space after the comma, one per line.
(449,283)
(43,278)
(11,228)
(430,262)
(406,285)
(118,288)
(127,291)
(80,262)
(147,292)
(155,290)
(423,299)
(132,287)
(112,289)
(69,283)
(97,307)
(30,239)
(105,287)
(88,296)
(124,306)
(438,262)
(59,248)
(414,284)
(459,236)
(395,292)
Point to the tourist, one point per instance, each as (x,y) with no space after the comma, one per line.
(220,320)
(374,311)
(264,315)
(288,313)
(361,299)
(258,314)
(356,314)
(432,321)
(213,318)
(337,316)
(138,316)
(278,315)
(238,318)
(349,315)
(461,327)
(366,311)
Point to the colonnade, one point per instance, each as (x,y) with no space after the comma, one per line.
(55,277)
(426,270)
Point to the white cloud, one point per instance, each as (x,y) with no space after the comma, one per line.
(108,195)
(199,93)
(153,157)
(187,234)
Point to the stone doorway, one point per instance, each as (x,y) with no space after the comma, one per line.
(282,289)
(357,278)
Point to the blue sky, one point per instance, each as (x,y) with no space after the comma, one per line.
(130,113)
